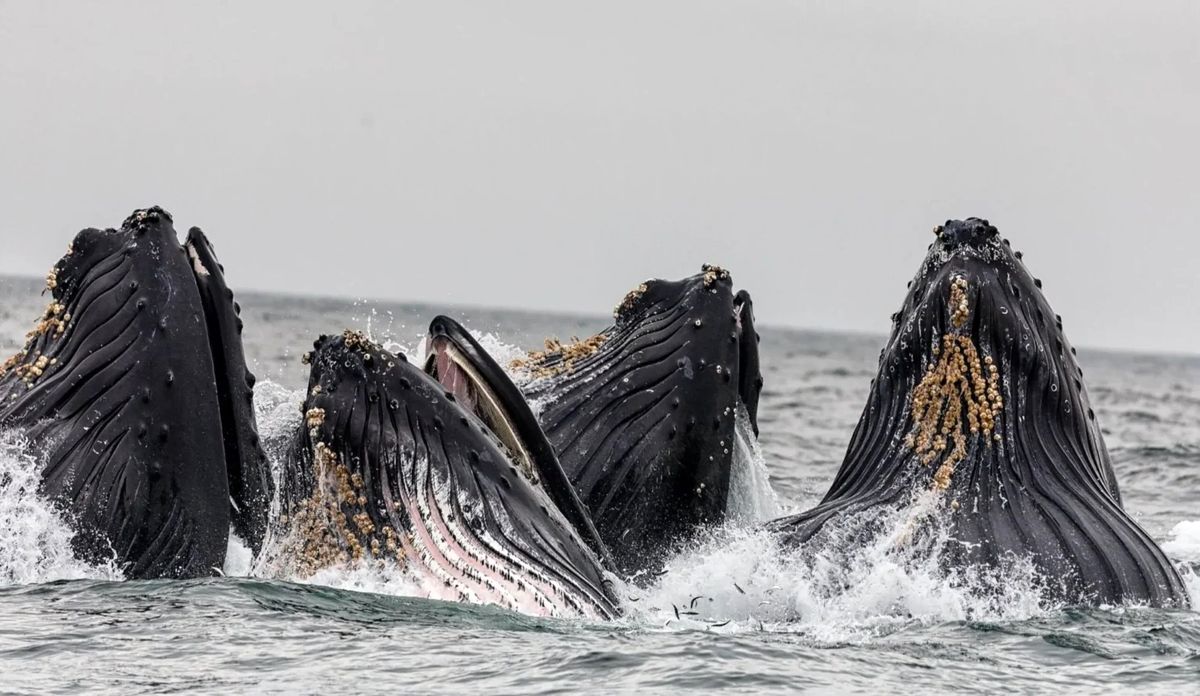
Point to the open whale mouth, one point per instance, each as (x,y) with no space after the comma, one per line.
(461,365)
(390,466)
(448,362)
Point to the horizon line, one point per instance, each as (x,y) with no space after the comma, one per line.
(857,333)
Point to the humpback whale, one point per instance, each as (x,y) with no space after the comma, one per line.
(436,475)
(455,358)
(642,415)
(134,387)
(980,406)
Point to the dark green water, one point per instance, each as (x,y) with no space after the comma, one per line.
(734,614)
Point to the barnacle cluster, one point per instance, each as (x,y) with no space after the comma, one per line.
(314,418)
(630,298)
(958,302)
(356,340)
(563,355)
(11,362)
(332,526)
(53,322)
(713,273)
(31,371)
(30,366)
(957,383)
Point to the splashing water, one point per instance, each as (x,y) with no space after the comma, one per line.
(1185,541)
(1184,546)
(35,540)
(837,588)
(739,578)
(239,559)
(752,500)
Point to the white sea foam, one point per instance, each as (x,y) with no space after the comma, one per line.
(239,559)
(385,578)
(35,540)
(835,589)
(1184,543)
(503,353)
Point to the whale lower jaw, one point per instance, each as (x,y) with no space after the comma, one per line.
(453,562)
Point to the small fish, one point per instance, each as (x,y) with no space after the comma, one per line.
(739,588)
(697,599)
(676,611)
(721,625)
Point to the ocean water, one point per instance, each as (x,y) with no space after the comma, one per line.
(734,613)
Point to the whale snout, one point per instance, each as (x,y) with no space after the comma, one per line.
(972,232)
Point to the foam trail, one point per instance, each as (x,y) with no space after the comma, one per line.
(35,540)
(752,500)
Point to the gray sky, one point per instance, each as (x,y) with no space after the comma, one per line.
(552,154)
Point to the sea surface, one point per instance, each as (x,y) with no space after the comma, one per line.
(733,614)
